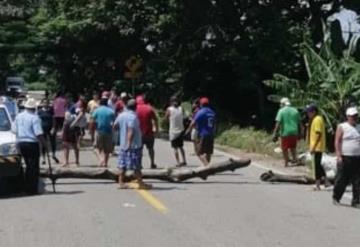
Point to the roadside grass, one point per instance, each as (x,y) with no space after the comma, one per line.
(251,140)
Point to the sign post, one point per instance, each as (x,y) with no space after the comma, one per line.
(133,70)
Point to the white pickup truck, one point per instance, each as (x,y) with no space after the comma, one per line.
(11,180)
(7,137)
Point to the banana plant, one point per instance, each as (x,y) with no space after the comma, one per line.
(333,83)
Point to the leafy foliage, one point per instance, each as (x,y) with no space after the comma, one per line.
(223,49)
(333,83)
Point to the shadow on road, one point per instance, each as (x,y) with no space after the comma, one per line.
(223,182)
(22,195)
(166,188)
(75,192)
(85,182)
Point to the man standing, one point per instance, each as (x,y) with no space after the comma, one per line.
(27,127)
(204,121)
(148,120)
(103,117)
(130,155)
(347,146)
(175,116)
(288,121)
(317,143)
(46,114)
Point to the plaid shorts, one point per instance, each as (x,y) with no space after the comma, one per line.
(130,159)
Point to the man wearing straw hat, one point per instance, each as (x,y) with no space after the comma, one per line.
(29,133)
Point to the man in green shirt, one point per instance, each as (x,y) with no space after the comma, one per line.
(288,123)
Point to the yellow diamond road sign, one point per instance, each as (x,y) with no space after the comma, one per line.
(133,67)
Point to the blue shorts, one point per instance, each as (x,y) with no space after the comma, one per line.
(130,159)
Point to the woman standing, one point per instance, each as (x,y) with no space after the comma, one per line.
(80,122)
(59,107)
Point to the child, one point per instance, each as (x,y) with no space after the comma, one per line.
(69,139)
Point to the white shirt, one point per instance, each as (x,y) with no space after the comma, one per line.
(350,145)
(27,127)
(176,120)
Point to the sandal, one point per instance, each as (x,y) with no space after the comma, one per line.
(145,186)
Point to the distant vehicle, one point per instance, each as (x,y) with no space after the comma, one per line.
(11,105)
(7,137)
(15,85)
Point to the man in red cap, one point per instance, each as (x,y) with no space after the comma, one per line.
(204,121)
(148,120)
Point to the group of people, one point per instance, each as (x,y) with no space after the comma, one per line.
(347,146)
(111,120)
(133,124)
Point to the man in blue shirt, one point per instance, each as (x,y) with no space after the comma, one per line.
(103,117)
(29,133)
(130,155)
(204,122)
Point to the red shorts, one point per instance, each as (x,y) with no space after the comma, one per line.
(288,142)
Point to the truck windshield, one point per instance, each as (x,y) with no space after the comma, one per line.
(15,83)
(5,124)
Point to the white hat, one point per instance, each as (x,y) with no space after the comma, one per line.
(30,104)
(351,111)
(123,95)
(285,101)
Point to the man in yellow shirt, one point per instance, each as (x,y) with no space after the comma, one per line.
(317,143)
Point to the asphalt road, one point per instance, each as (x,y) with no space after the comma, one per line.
(230,209)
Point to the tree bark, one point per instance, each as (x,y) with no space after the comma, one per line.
(272,177)
(169,175)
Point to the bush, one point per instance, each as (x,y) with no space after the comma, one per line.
(37,86)
(250,140)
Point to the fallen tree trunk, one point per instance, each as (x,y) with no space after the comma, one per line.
(169,175)
(272,177)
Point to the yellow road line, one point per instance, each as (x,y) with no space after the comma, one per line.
(149,198)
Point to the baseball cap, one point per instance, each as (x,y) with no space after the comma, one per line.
(351,111)
(131,103)
(285,101)
(311,108)
(204,101)
(123,95)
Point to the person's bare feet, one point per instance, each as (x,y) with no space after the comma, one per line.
(101,163)
(65,165)
(327,184)
(316,188)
